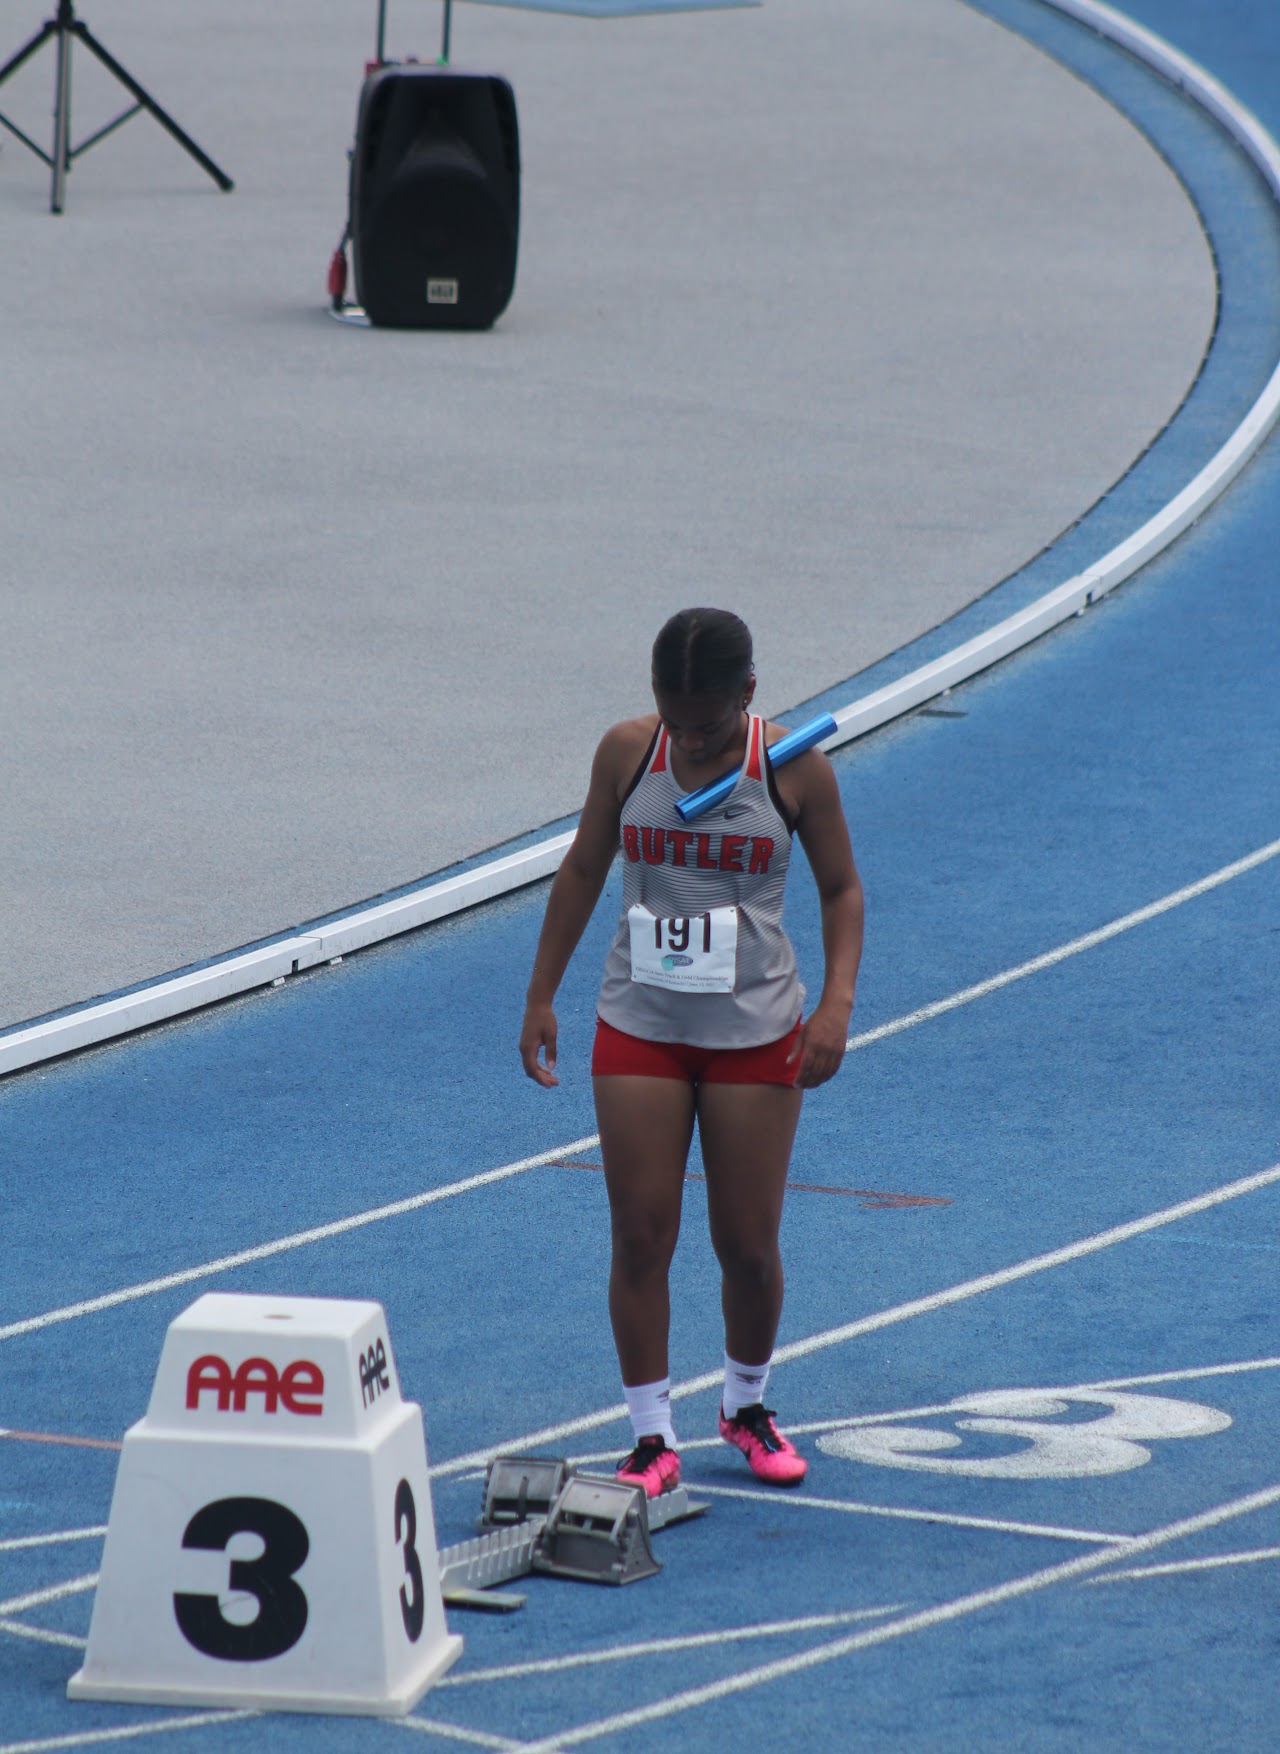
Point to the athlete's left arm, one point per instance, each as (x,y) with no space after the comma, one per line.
(824,835)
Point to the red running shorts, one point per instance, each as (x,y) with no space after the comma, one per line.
(617,1054)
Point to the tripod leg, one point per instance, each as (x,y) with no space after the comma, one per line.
(25,53)
(147,102)
(61,125)
(12,65)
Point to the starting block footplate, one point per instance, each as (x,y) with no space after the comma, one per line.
(598,1532)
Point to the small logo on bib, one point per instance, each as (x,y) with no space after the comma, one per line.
(677,962)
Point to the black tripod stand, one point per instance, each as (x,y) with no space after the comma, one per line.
(63,28)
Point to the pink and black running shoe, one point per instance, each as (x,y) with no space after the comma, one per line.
(772,1458)
(651,1465)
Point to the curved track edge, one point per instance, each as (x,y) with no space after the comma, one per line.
(34,1044)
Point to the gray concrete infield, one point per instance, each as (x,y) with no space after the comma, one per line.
(833,312)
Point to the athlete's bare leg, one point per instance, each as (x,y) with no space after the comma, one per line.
(646,1125)
(746,1132)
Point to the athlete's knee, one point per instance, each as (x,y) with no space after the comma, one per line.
(643,1244)
(753,1266)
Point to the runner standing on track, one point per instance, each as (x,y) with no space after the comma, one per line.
(700,1014)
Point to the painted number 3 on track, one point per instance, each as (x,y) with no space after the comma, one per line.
(1050,1444)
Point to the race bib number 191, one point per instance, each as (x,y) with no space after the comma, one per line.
(694,955)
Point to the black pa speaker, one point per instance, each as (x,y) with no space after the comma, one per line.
(435,198)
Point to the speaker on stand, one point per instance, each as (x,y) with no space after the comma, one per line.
(434,210)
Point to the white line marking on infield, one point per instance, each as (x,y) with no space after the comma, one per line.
(41,1635)
(1051,958)
(650,1647)
(125,1732)
(16,1543)
(923,1621)
(901,1312)
(74,1586)
(999,1526)
(1175,1567)
(398,1208)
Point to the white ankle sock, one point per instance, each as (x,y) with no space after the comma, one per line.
(743,1384)
(649,1404)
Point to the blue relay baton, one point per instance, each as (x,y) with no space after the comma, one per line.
(794,743)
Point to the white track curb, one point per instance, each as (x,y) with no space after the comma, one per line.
(1168,524)
(164,999)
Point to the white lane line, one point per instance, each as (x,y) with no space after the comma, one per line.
(1090,1536)
(651,1647)
(1173,1568)
(16,1543)
(1051,958)
(901,1312)
(74,1586)
(300,1239)
(430,1726)
(125,1732)
(398,1208)
(923,1621)
(1075,1251)
(1193,1375)
(41,1635)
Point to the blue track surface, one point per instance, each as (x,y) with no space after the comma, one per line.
(1122,759)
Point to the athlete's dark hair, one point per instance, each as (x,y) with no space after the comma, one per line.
(702,651)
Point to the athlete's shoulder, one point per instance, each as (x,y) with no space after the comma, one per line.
(805,782)
(623,746)
(630,735)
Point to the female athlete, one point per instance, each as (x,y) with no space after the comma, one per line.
(700,1014)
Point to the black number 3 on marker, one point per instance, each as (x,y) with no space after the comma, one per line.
(282,1606)
(412,1601)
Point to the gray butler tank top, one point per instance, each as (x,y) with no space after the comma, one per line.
(734,856)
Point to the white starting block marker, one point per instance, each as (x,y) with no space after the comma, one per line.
(271,1541)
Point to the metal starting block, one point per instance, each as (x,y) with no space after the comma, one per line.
(468,1570)
(539,1515)
(519,1487)
(598,1532)
(673,1507)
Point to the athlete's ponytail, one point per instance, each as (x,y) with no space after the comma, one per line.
(702,651)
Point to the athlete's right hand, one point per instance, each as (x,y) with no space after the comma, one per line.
(537,1035)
